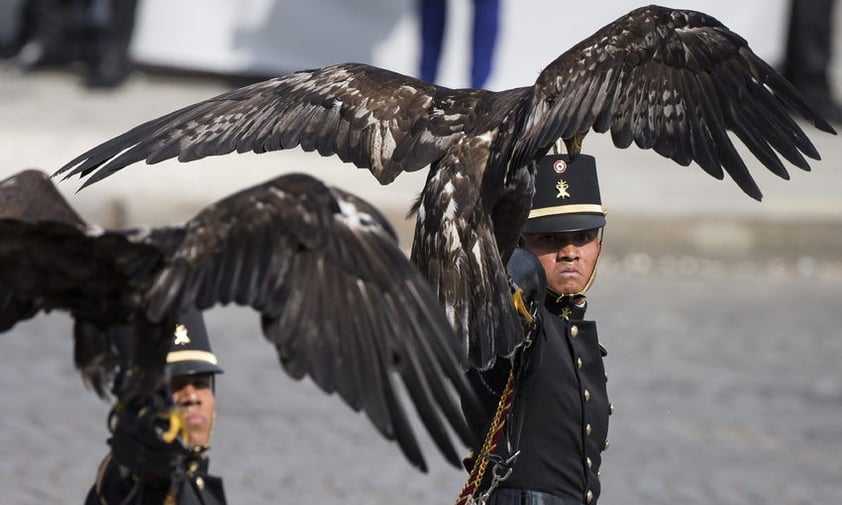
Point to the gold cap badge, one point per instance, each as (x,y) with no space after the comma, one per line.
(561,186)
(181,337)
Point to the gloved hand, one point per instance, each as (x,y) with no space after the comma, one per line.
(527,274)
(140,434)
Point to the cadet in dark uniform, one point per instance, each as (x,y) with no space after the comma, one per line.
(144,469)
(558,420)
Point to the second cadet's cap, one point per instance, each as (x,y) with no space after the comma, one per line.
(190,350)
(566,196)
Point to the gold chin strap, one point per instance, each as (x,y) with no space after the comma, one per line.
(213,423)
(593,274)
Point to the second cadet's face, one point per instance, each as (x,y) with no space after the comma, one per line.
(568,258)
(193,394)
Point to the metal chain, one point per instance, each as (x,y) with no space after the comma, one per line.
(466,496)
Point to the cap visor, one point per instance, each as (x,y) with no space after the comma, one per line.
(564,222)
(192,368)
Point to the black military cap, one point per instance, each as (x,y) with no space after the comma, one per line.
(190,351)
(566,196)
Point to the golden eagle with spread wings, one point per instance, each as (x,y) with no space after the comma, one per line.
(675,81)
(338,299)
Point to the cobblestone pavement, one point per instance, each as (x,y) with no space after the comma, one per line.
(728,391)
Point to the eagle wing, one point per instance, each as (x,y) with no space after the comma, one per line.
(677,82)
(99,277)
(31,195)
(374,118)
(27,197)
(338,299)
(50,259)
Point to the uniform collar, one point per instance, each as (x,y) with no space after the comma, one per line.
(565,307)
(199,465)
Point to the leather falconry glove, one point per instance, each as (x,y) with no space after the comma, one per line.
(529,285)
(148,438)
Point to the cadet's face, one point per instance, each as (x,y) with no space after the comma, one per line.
(568,258)
(194,395)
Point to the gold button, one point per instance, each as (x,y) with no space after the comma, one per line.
(589,496)
(200,483)
(588,462)
(606,376)
(610,408)
(587,395)
(579,362)
(598,474)
(606,445)
(574,331)
(588,429)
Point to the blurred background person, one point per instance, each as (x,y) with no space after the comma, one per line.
(808,54)
(486,21)
(10,32)
(96,33)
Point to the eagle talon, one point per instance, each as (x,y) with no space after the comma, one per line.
(176,424)
(520,305)
(573,145)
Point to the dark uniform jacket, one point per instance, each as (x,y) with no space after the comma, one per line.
(559,420)
(114,484)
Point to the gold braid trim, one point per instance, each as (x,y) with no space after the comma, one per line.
(100,474)
(491,439)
